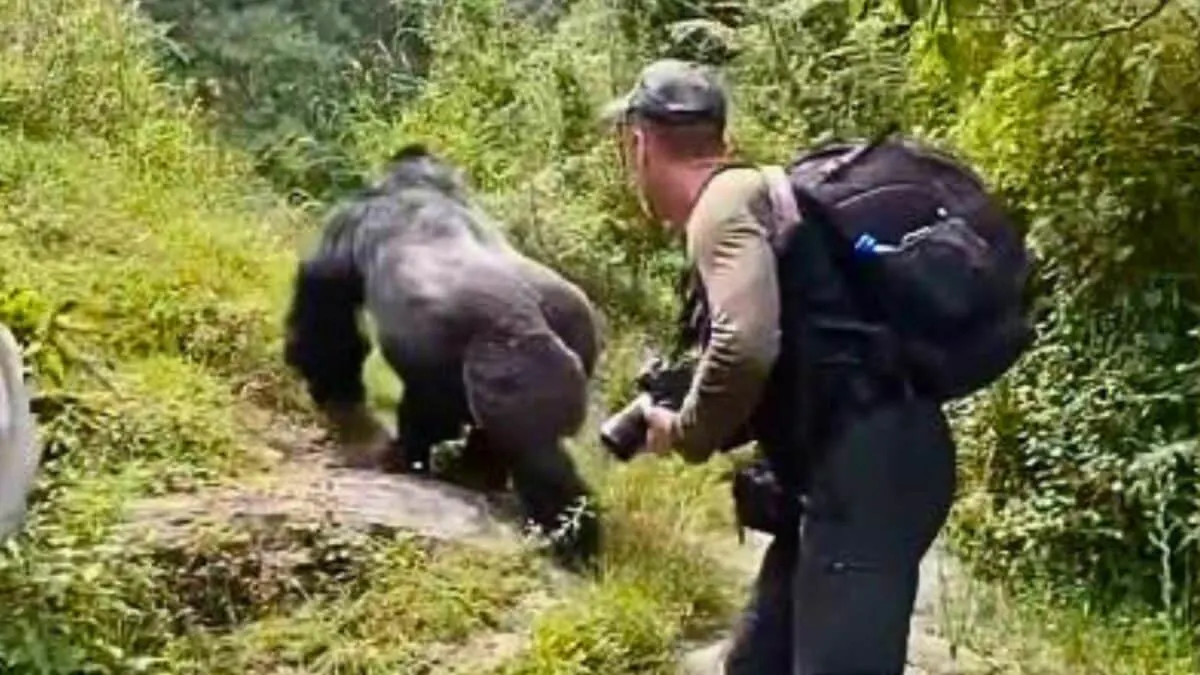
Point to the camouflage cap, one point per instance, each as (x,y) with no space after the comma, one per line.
(671,91)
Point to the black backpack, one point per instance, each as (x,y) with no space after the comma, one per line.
(928,254)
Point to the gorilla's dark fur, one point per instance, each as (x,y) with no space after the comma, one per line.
(479,334)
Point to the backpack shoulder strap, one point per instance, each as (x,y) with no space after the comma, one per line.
(785,210)
(785,215)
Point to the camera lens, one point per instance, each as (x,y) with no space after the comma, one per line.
(623,433)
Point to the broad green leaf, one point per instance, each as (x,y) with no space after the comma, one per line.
(947,46)
(911,9)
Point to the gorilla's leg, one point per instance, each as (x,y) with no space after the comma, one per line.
(526,392)
(555,497)
(433,410)
(324,344)
(480,467)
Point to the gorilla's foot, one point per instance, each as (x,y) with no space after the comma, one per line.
(555,497)
(397,460)
(361,439)
(478,466)
(570,527)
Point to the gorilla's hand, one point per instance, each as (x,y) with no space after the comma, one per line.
(362,441)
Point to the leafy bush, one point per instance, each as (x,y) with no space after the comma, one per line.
(1087,458)
(283,79)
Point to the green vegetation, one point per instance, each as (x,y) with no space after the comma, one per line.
(283,79)
(148,243)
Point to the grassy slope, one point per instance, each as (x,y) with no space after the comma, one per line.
(112,202)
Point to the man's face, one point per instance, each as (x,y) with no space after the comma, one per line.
(641,169)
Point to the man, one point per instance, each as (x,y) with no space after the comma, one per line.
(835,591)
(673,127)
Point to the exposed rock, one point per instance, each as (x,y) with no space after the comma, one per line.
(358,500)
(307,529)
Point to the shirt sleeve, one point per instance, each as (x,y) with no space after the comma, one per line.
(737,267)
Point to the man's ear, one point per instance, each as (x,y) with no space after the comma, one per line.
(623,142)
(639,139)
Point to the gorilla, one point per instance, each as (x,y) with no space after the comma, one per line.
(480,335)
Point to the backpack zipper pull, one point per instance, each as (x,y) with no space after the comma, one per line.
(866,245)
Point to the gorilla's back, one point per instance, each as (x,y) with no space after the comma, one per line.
(432,283)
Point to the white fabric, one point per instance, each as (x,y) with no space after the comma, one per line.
(20,452)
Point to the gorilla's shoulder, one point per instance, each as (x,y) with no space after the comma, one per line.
(367,205)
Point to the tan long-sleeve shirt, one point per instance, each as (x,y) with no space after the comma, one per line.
(727,241)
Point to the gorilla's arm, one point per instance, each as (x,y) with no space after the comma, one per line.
(323,340)
(568,311)
(508,375)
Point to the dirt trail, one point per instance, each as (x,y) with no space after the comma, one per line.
(930,652)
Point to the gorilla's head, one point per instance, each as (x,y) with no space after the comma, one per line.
(414,166)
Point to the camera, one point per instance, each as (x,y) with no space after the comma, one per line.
(660,383)
(761,503)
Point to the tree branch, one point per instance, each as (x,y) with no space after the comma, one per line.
(1119,27)
(1009,16)
(1190,19)
(1111,29)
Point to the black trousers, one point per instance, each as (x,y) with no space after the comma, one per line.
(836,598)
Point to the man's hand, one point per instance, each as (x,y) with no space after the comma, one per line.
(660,429)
